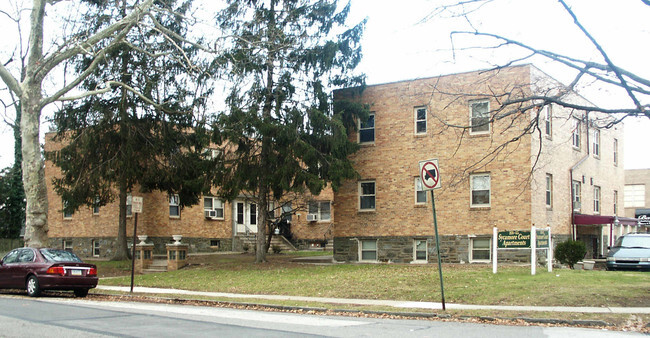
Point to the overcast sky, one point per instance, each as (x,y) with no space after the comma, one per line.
(398,45)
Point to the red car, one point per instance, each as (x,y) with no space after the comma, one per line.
(46,269)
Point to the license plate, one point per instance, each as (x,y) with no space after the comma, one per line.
(75,272)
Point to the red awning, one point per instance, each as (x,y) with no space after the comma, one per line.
(598,219)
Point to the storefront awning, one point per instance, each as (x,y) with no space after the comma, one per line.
(583,219)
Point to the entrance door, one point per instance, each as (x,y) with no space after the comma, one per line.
(245,216)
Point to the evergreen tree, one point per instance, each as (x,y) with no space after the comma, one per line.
(12,194)
(286,133)
(121,140)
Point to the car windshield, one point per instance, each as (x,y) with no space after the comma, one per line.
(55,255)
(633,242)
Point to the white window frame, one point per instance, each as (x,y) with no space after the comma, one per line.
(615,202)
(362,195)
(471,250)
(66,214)
(419,191)
(415,250)
(596,199)
(129,205)
(373,128)
(287,212)
(418,120)
(318,207)
(67,245)
(548,197)
(576,191)
(547,118)
(213,200)
(95,248)
(615,152)
(595,142)
(96,206)
(361,250)
(252,213)
(471,191)
(472,130)
(575,133)
(211,153)
(174,202)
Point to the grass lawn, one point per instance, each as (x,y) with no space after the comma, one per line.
(464,283)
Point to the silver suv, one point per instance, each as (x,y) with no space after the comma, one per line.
(630,252)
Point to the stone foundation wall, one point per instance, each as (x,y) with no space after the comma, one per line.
(83,246)
(453,249)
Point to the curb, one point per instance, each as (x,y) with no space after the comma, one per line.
(415,315)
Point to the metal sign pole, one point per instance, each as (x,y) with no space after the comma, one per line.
(135,227)
(435,226)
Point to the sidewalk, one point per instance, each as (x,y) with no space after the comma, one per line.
(390,303)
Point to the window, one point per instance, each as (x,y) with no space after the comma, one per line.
(252,214)
(369,250)
(174,206)
(322,209)
(211,153)
(421,120)
(596,143)
(480,249)
(287,212)
(367,129)
(479,117)
(129,205)
(615,151)
(615,202)
(213,207)
(96,206)
(367,195)
(215,242)
(596,199)
(95,244)
(634,196)
(575,192)
(576,133)
(420,250)
(67,213)
(240,213)
(546,116)
(549,190)
(480,186)
(67,245)
(420,193)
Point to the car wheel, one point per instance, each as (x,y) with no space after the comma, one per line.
(80,293)
(33,289)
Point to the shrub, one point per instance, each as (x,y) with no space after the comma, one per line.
(277,249)
(245,247)
(570,252)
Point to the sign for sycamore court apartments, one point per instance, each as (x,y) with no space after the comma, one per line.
(517,239)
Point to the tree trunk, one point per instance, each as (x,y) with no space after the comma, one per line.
(121,250)
(33,170)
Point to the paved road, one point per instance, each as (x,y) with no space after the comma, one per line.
(21,316)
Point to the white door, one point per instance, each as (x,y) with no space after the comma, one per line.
(245,216)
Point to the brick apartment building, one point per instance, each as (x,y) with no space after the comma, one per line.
(574,186)
(213,225)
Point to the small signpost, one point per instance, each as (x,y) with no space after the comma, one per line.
(522,239)
(136,208)
(430,176)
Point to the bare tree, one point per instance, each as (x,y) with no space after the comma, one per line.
(603,72)
(39,68)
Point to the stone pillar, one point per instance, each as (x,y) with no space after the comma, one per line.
(176,254)
(143,256)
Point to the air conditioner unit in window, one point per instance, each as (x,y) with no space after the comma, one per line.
(576,206)
(312,217)
(210,214)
